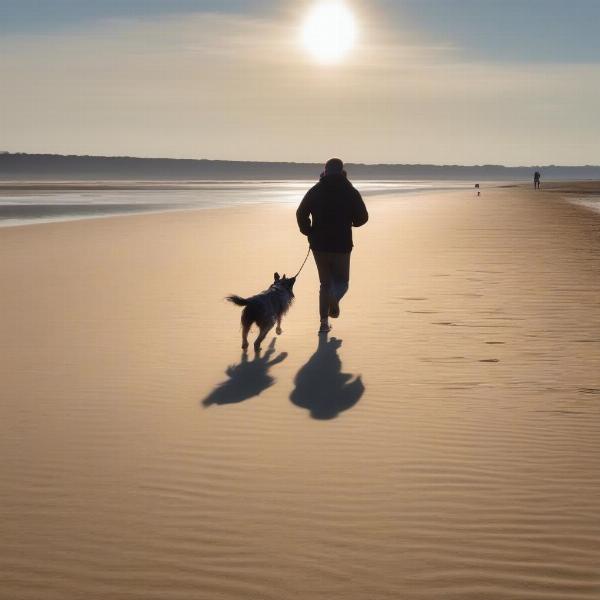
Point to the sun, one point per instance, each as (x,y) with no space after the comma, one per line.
(329,31)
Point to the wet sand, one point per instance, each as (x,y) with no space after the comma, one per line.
(442,443)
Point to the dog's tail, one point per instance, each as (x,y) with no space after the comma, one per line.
(237,300)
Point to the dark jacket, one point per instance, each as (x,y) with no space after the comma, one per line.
(328,212)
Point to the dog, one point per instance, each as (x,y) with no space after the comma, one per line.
(265,309)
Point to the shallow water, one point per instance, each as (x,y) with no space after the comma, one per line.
(591,201)
(23,204)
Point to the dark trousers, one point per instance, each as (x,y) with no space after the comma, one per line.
(334,274)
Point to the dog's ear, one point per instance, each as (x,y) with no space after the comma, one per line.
(283,276)
(276,276)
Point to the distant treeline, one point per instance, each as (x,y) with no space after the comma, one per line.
(21,166)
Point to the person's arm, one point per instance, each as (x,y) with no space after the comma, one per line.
(359,211)
(303,214)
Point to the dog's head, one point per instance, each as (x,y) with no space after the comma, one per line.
(284,282)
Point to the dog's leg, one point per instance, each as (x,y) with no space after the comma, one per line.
(261,336)
(245,330)
(279,331)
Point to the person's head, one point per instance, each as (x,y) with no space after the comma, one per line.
(334,166)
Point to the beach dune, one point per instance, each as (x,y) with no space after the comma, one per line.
(441,443)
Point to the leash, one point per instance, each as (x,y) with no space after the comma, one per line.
(302,267)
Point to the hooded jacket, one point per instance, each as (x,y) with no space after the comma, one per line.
(328,212)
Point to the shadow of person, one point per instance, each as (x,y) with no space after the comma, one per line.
(321,387)
(246,379)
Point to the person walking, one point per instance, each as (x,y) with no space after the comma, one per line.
(326,216)
(536,180)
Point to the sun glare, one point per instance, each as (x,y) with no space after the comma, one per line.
(329,31)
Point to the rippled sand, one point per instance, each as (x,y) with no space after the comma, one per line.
(445,445)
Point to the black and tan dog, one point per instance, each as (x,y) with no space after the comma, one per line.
(265,309)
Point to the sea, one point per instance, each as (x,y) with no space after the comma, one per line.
(26,203)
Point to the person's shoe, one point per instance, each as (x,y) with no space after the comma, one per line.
(325,328)
(334,309)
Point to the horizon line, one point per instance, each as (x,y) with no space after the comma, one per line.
(292,162)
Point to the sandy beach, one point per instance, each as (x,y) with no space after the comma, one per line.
(442,443)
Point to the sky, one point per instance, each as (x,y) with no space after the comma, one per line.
(514,82)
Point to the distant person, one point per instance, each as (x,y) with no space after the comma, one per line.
(536,180)
(326,215)
(478,190)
